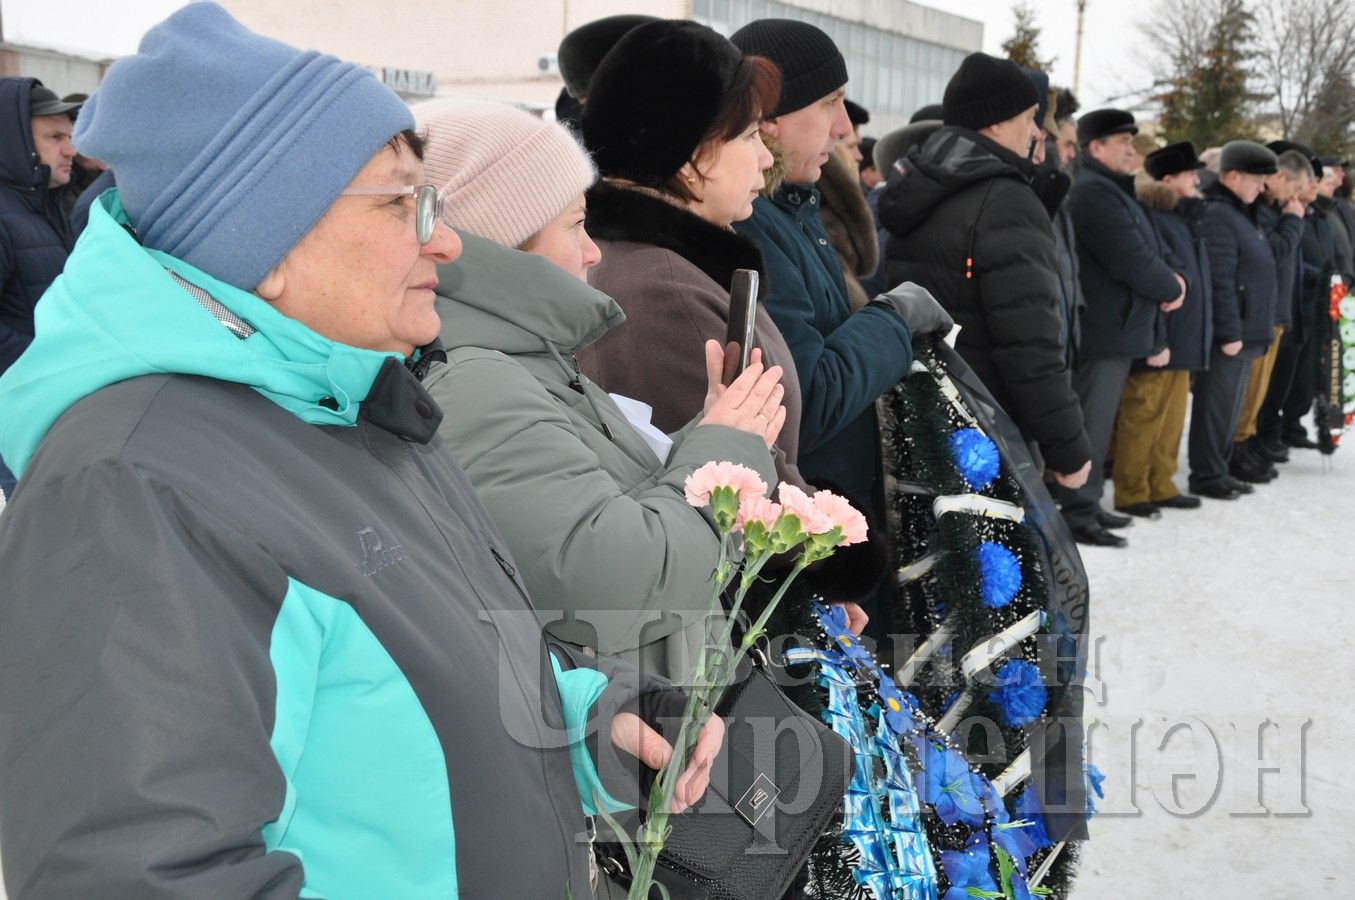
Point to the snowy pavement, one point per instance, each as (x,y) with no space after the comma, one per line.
(1219,619)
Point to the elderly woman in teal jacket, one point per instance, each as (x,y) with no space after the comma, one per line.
(259,638)
(587,493)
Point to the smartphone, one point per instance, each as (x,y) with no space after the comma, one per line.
(742,316)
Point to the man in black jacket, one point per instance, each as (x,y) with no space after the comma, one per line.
(1280,214)
(36,159)
(1153,408)
(1243,275)
(1128,286)
(965,223)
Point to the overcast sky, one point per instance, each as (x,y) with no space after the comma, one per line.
(1112,51)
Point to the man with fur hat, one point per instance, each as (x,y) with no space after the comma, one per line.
(1128,285)
(845,359)
(1152,411)
(966,224)
(1244,285)
(260,637)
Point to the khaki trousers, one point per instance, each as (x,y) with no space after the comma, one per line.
(1148,435)
(1258,379)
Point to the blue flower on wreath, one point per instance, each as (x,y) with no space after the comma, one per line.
(969,870)
(975,456)
(898,707)
(1028,810)
(999,574)
(948,784)
(852,648)
(1094,779)
(1019,693)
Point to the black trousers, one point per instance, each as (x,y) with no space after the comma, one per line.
(1293,387)
(1099,384)
(1219,391)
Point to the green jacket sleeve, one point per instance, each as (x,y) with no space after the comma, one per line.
(635,564)
(136,696)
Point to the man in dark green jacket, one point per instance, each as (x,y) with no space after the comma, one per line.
(845,360)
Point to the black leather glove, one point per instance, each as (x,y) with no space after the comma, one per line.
(918,308)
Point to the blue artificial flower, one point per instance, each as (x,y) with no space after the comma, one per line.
(999,574)
(1094,779)
(851,647)
(947,783)
(976,457)
(969,870)
(1019,693)
(1028,810)
(898,707)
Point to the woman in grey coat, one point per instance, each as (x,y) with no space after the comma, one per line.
(589,500)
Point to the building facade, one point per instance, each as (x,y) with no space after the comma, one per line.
(899,53)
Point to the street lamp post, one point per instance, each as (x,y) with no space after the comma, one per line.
(1077,51)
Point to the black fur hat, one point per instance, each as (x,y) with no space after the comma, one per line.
(581,51)
(655,97)
(1171,160)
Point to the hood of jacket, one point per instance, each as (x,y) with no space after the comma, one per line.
(949,161)
(19,166)
(1156,195)
(502,299)
(624,214)
(120,310)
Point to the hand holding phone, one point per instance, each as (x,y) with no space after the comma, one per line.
(742,320)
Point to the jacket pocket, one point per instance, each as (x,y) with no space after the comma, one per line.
(1242,302)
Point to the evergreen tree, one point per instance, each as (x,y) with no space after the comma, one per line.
(1210,98)
(1023,47)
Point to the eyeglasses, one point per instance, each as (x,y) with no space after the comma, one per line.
(428,204)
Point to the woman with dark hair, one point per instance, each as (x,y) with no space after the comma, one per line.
(681,160)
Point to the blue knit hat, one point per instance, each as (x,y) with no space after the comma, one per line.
(229,146)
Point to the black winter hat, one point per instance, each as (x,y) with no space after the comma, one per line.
(929,113)
(1171,160)
(1278,147)
(582,50)
(867,149)
(1103,123)
(811,64)
(655,96)
(857,114)
(986,90)
(1248,157)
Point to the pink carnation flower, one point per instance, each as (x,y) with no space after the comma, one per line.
(743,480)
(799,504)
(842,514)
(757,509)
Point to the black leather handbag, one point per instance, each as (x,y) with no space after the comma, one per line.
(776,783)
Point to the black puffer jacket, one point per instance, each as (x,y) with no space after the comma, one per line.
(1070,280)
(1283,232)
(35,238)
(1190,329)
(1242,270)
(1317,263)
(1124,273)
(965,224)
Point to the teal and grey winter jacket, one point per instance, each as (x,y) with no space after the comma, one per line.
(259,638)
(608,546)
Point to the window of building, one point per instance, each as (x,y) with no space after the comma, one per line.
(890,73)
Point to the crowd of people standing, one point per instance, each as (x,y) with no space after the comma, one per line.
(382,415)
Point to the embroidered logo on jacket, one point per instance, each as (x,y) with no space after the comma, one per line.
(375,556)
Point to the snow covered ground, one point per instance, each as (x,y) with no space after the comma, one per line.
(1224,617)
(1221,618)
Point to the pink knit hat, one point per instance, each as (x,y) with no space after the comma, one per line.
(505,173)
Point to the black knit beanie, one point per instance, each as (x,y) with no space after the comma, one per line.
(811,65)
(986,90)
(655,96)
